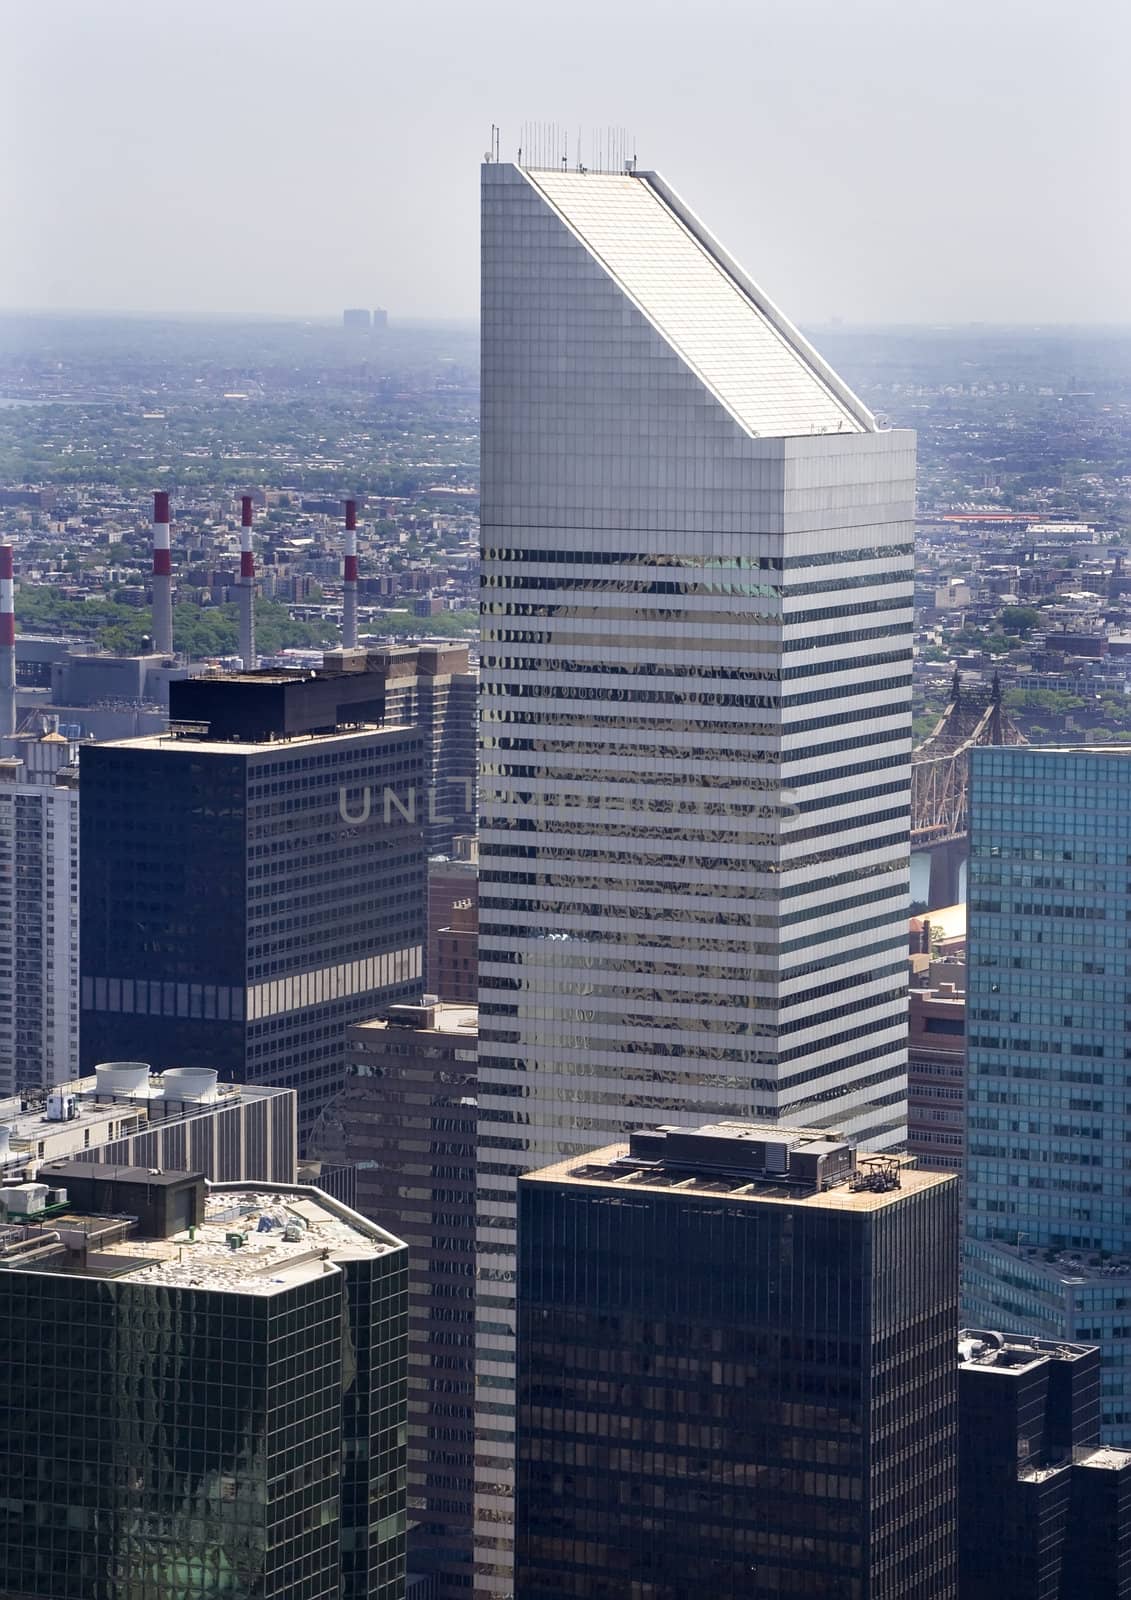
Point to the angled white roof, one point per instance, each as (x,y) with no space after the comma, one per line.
(738,344)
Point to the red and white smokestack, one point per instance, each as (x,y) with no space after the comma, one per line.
(247,588)
(349,579)
(7,643)
(162,576)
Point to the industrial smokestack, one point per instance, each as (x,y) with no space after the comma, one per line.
(7,644)
(162,576)
(349,580)
(247,588)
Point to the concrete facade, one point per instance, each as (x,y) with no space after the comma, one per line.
(450,962)
(936,1077)
(132,1117)
(39,911)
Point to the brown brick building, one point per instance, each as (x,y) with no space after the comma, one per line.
(451,969)
(936,1077)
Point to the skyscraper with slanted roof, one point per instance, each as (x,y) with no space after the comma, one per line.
(697,568)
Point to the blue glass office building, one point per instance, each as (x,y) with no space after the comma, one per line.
(1048,1219)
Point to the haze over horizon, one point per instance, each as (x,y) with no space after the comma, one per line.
(879,164)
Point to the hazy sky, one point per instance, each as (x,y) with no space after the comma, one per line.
(879,160)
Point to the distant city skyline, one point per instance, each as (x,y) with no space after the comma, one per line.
(881,163)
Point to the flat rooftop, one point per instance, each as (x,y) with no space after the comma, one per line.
(607,1170)
(1066,1266)
(25,1123)
(1013,1352)
(1105,1457)
(446,1016)
(265,1263)
(949,921)
(249,747)
(1121,750)
(284,675)
(151,1177)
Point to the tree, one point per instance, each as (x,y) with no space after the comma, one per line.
(1052,701)
(1020,620)
(199,631)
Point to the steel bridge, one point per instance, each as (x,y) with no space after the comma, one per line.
(940,767)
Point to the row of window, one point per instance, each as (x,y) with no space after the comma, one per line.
(606,911)
(688,697)
(1024,849)
(690,670)
(519,933)
(697,637)
(784,779)
(639,832)
(714,618)
(619,1050)
(647,753)
(720,885)
(141,997)
(646,586)
(685,860)
(637,558)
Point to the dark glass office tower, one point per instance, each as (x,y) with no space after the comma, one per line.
(736,1372)
(406,1121)
(1044,1512)
(254,882)
(207,1402)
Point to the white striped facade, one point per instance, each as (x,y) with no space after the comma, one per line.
(695,750)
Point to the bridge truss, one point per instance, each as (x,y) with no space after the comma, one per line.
(940,767)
